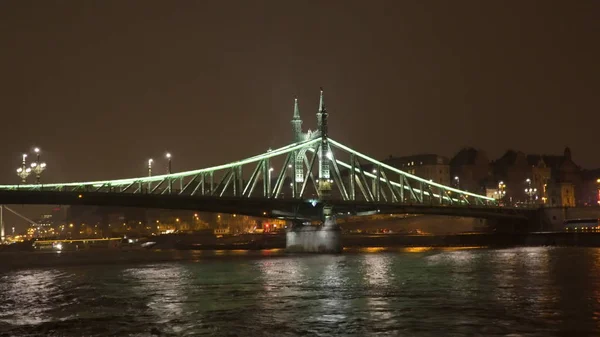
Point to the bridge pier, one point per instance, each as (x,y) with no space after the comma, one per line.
(325,238)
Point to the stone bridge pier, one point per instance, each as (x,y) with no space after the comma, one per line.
(325,238)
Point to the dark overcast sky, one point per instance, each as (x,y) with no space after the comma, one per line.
(103,85)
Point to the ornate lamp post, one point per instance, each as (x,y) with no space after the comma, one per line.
(37,167)
(530,191)
(23,172)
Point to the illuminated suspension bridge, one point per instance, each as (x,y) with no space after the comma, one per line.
(313,172)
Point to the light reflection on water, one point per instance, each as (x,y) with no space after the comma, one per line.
(418,291)
(36,288)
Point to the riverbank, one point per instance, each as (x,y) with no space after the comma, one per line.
(570,239)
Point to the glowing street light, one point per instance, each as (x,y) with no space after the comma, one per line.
(168,156)
(37,167)
(23,172)
(501,190)
(170,186)
(531,191)
(457,182)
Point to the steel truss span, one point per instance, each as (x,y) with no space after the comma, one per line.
(290,172)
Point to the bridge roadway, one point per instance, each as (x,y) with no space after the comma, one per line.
(258,207)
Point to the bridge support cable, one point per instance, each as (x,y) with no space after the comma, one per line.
(139,188)
(390,187)
(308,176)
(221,183)
(338,177)
(352,179)
(157,186)
(229,176)
(199,185)
(295,174)
(378,182)
(189,183)
(281,177)
(369,194)
(401,189)
(258,172)
(20,215)
(235,180)
(252,181)
(127,187)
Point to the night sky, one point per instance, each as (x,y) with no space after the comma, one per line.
(101,86)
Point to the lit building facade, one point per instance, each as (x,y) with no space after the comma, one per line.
(561,194)
(427,166)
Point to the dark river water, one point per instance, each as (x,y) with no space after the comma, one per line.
(409,292)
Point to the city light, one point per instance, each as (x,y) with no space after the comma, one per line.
(23,172)
(168,156)
(37,166)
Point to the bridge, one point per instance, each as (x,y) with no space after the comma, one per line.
(315,177)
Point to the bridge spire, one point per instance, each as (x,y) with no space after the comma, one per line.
(297,122)
(322,116)
(321,100)
(324,150)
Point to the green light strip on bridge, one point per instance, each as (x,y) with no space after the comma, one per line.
(128,181)
(365,157)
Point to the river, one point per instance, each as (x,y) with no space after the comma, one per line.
(368,292)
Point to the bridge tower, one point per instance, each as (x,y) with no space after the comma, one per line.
(325,156)
(298,155)
(297,123)
(324,152)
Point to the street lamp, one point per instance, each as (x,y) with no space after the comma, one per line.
(23,172)
(269,182)
(37,167)
(530,191)
(457,182)
(168,155)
